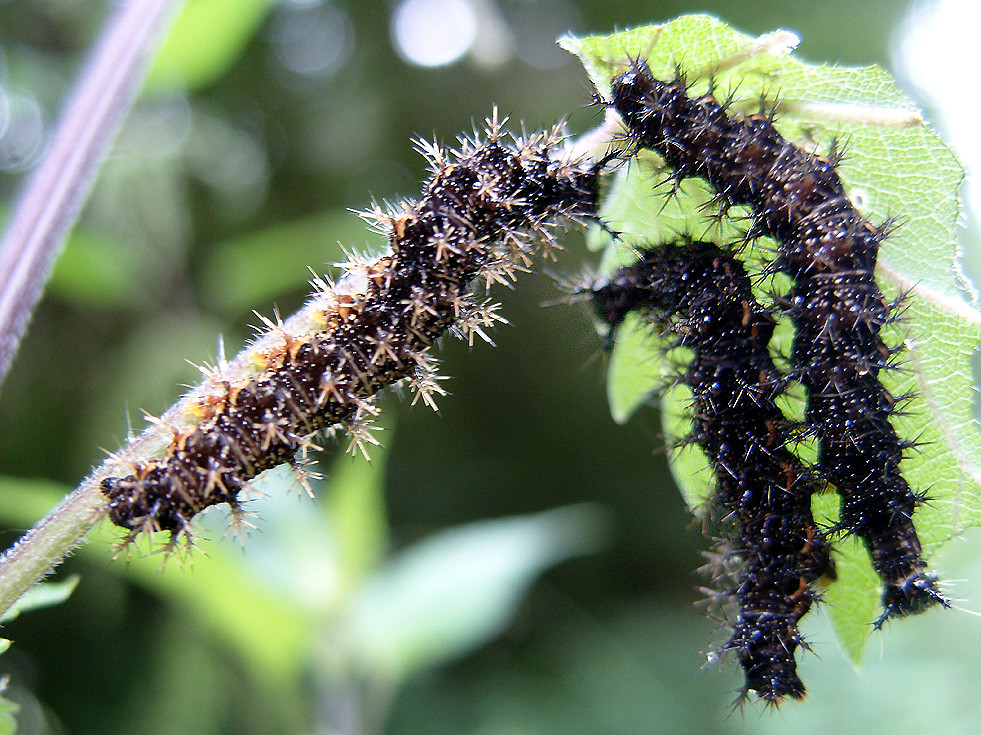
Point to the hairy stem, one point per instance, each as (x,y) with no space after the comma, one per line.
(50,541)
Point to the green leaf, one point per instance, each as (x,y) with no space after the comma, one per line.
(257,267)
(458,588)
(218,589)
(895,166)
(206,39)
(94,271)
(42,594)
(8,722)
(355,510)
(635,370)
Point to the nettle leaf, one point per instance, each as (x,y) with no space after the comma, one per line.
(895,167)
(458,588)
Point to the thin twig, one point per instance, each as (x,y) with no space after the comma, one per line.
(54,194)
(45,211)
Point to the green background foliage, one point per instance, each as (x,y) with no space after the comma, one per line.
(215,200)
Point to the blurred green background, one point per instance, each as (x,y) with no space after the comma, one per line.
(516,564)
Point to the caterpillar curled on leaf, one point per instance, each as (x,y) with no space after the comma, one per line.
(829,250)
(484,209)
(701,294)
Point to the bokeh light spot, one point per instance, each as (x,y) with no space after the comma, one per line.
(433,32)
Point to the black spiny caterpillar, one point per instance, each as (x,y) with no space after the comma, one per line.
(702,295)
(482,210)
(829,250)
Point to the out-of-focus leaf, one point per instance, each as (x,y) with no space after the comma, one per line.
(93,271)
(8,722)
(637,673)
(895,165)
(205,40)
(8,709)
(271,634)
(316,552)
(355,510)
(458,588)
(241,273)
(167,343)
(42,594)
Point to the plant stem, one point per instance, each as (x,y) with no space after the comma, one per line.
(45,545)
(62,530)
(53,196)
